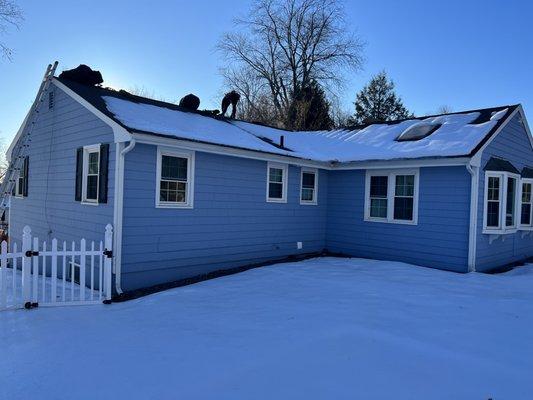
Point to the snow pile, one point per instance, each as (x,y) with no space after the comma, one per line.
(325,328)
(456,136)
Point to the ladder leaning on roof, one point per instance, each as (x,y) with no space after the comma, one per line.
(20,149)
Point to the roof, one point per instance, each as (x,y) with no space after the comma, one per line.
(459,134)
(499,164)
(527,172)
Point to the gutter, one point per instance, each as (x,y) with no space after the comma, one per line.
(473,168)
(118,205)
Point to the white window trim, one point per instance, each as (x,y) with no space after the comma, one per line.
(391,185)
(524,227)
(285,179)
(313,202)
(17,188)
(93,148)
(190,156)
(502,229)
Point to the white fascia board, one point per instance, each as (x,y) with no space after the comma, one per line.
(256,155)
(226,151)
(413,163)
(525,123)
(495,134)
(119,132)
(17,137)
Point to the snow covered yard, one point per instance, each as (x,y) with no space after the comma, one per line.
(326,328)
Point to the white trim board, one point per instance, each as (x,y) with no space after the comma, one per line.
(256,155)
(120,133)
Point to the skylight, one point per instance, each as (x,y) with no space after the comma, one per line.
(418,131)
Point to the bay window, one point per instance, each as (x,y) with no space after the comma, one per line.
(502,202)
(525,202)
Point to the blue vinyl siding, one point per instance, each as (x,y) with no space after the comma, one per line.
(230,225)
(440,240)
(50,209)
(513,145)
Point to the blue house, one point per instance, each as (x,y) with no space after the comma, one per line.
(189,193)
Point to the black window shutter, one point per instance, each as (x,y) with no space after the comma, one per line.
(79,172)
(26,168)
(102,179)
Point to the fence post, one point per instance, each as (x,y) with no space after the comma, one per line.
(54,271)
(83,250)
(26,267)
(108,260)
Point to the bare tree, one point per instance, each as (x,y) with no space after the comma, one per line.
(10,16)
(444,109)
(143,91)
(4,164)
(284,45)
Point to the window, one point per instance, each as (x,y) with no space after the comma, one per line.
(21,184)
(392,196)
(277,183)
(510,203)
(91,173)
(502,201)
(493,202)
(378,196)
(308,191)
(404,197)
(174,179)
(92,164)
(525,209)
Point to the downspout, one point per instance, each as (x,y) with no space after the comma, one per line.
(473,169)
(119,208)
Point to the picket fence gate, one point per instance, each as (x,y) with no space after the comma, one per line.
(55,274)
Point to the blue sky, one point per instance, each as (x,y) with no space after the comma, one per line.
(464,54)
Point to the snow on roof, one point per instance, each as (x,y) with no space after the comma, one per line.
(457,135)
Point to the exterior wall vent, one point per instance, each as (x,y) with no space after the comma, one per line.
(51,100)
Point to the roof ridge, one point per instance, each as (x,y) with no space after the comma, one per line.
(397,121)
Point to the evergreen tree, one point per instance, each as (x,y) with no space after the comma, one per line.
(378,102)
(309,109)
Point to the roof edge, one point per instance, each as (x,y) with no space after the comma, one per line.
(495,131)
(121,134)
(196,145)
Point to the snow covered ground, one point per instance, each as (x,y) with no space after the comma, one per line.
(325,328)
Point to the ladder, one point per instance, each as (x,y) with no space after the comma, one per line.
(19,152)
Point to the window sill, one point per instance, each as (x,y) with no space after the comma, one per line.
(391,221)
(499,231)
(308,203)
(89,203)
(276,200)
(174,206)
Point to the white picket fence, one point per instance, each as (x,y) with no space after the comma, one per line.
(53,274)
